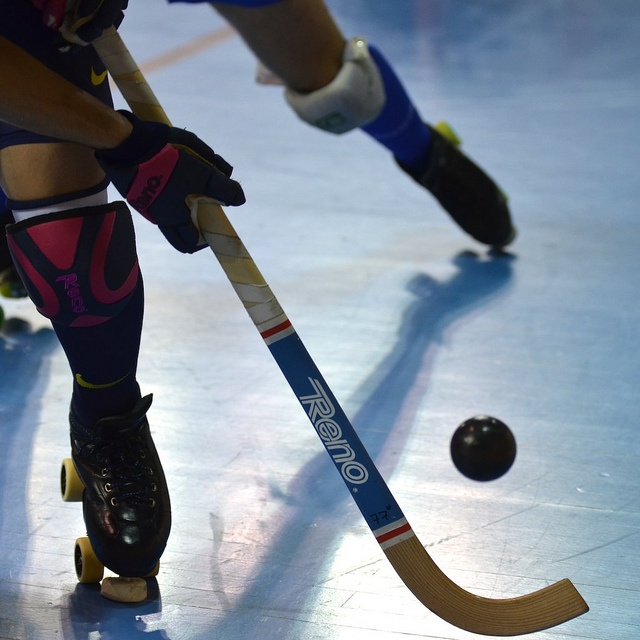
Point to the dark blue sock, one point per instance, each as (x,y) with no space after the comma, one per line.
(399,126)
(104,359)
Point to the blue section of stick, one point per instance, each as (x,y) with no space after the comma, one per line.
(351,459)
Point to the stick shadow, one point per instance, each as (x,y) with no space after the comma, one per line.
(315,503)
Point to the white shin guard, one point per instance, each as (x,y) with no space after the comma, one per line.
(352,99)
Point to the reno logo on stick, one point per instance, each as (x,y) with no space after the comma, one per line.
(322,412)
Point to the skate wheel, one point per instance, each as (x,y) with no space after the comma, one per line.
(447,131)
(71,486)
(88,568)
(124,589)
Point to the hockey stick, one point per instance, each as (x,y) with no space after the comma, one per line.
(539,610)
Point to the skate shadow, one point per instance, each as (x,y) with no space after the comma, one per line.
(316,509)
(85,615)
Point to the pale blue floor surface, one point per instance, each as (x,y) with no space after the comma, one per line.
(413,324)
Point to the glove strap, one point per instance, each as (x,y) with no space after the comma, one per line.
(145,141)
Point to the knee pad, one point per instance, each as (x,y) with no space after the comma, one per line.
(80,267)
(352,99)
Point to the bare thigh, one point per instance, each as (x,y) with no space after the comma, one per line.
(45,170)
(296,39)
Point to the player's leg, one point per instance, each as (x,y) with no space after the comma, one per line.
(299,41)
(76,255)
(50,210)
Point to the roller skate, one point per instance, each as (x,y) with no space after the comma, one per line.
(465,191)
(115,470)
(10,287)
(10,284)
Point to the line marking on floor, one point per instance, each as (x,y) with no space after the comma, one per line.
(188,50)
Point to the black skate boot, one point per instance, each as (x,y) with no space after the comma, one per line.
(125,501)
(465,191)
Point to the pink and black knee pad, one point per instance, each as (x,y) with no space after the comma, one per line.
(80,267)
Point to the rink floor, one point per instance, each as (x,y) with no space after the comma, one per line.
(415,327)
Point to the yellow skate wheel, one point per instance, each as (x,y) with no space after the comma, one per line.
(447,131)
(88,568)
(71,486)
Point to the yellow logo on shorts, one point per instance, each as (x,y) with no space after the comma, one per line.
(97,78)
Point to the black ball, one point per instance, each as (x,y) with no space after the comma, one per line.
(483,448)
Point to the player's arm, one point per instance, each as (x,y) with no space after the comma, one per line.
(33,97)
(154,166)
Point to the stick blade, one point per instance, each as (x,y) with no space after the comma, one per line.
(536,611)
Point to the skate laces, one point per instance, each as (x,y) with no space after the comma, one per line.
(128,478)
(117,452)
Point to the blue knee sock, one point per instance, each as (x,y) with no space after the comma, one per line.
(399,126)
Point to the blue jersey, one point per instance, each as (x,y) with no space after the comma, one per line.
(22,24)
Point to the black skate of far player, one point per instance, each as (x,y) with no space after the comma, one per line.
(465,191)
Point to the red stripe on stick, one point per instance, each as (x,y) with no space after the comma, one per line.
(277,329)
(392,534)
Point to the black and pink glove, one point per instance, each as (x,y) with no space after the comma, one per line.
(158,166)
(84,20)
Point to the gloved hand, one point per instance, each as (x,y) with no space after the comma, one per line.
(82,21)
(158,166)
